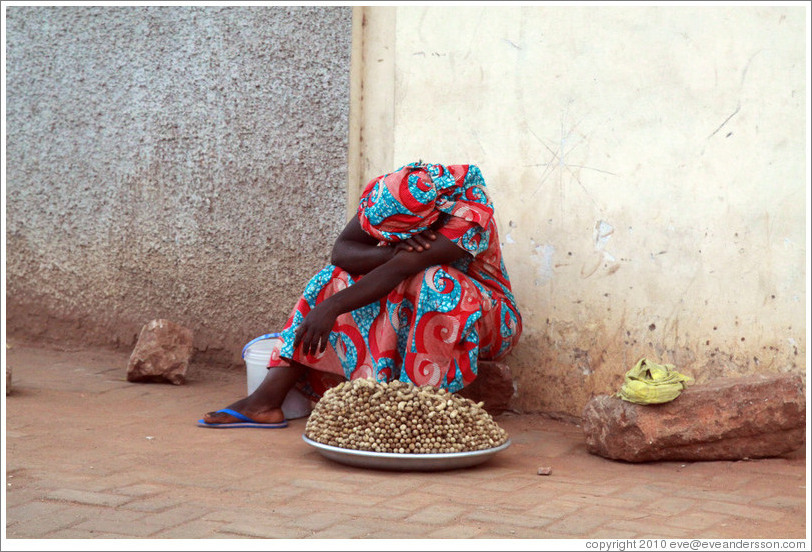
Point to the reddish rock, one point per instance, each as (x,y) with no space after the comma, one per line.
(162,353)
(726,419)
(8,379)
(493,386)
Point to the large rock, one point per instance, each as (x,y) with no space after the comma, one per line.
(726,419)
(162,353)
(493,386)
(8,379)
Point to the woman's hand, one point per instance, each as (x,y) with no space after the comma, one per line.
(418,242)
(314,331)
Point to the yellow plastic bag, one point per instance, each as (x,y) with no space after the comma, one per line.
(652,383)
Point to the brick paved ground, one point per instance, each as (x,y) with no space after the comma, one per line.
(90,456)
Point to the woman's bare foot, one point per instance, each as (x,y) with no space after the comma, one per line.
(264,405)
(261,415)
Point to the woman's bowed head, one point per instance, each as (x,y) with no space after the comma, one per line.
(415,291)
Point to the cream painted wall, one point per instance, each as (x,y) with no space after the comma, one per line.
(648,166)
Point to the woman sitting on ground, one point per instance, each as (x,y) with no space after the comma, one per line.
(417,291)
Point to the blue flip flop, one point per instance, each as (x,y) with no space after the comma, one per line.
(246,421)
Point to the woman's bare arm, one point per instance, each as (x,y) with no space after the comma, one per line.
(315,329)
(356,251)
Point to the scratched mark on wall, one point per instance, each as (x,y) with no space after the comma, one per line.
(569,140)
(738,102)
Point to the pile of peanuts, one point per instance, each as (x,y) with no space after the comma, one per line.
(399,417)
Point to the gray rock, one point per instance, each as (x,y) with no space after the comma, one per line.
(726,419)
(162,353)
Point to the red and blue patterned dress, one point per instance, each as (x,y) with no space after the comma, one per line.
(434,326)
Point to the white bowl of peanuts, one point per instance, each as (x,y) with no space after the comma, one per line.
(401,426)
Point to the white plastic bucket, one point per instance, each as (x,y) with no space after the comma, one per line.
(257,355)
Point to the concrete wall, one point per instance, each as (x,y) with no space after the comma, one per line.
(179,162)
(648,166)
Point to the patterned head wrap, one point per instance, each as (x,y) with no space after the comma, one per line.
(403,203)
